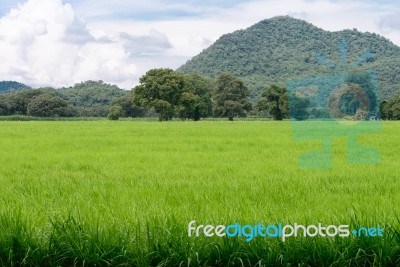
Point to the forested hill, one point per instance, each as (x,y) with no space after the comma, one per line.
(10,86)
(283,48)
(85,99)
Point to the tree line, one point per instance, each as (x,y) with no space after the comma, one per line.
(168,94)
(173,94)
(86,99)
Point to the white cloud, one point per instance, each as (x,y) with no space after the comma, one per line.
(47,42)
(44,43)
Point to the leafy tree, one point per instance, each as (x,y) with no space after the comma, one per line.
(366,83)
(196,101)
(230,99)
(274,100)
(115,112)
(47,105)
(160,89)
(384,110)
(350,101)
(298,107)
(4,106)
(189,106)
(129,108)
(19,101)
(390,109)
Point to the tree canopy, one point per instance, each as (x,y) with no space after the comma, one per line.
(230,99)
(173,94)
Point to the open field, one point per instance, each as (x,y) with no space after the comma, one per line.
(101,192)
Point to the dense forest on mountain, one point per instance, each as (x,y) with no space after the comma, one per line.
(283,48)
(11,86)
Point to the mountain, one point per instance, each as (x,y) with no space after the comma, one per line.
(284,48)
(10,86)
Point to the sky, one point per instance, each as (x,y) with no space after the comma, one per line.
(62,42)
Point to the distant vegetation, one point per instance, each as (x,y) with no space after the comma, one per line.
(10,86)
(242,74)
(284,48)
(87,99)
(168,94)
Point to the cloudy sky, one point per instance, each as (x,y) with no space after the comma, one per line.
(62,42)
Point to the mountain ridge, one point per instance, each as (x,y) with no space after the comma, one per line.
(282,48)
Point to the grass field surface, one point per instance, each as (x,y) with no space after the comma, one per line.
(122,193)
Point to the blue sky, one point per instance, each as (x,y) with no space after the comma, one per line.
(61,42)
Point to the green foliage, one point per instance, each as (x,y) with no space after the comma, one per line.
(4,106)
(173,94)
(129,108)
(390,109)
(350,101)
(47,105)
(299,107)
(11,86)
(160,89)
(189,106)
(115,112)
(195,102)
(91,98)
(18,102)
(164,109)
(230,99)
(87,99)
(366,83)
(274,100)
(284,48)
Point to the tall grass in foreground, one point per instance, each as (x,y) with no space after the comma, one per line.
(103,193)
(71,242)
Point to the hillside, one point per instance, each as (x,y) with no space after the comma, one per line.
(283,48)
(92,98)
(86,99)
(11,86)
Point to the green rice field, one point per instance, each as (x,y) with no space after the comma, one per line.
(103,193)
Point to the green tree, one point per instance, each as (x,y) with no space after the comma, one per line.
(196,99)
(366,83)
(160,89)
(384,110)
(349,101)
(274,100)
(114,112)
(4,106)
(298,107)
(129,108)
(19,101)
(189,106)
(390,109)
(231,97)
(47,105)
